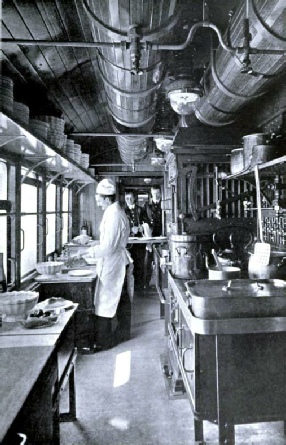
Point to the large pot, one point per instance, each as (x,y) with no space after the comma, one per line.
(186,257)
(275,269)
(249,142)
(265,153)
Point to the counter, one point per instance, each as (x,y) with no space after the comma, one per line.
(35,365)
(232,370)
(80,290)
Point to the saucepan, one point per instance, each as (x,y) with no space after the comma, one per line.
(226,273)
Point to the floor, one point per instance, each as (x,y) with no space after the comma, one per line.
(122,397)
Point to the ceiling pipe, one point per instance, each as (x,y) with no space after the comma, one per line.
(231,82)
(139,135)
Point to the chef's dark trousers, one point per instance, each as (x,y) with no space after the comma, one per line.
(137,252)
(123,315)
(105,337)
(103,333)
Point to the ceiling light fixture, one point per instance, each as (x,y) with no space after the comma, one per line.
(164,143)
(183,94)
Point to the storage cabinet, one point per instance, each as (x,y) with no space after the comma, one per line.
(231,376)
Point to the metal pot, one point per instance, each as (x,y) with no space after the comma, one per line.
(186,256)
(227,273)
(264,153)
(275,269)
(248,143)
(236,161)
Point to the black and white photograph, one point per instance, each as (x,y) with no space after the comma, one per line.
(143,222)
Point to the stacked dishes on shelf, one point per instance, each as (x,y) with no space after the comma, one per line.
(69,148)
(77,153)
(21,112)
(84,160)
(6,92)
(40,128)
(56,135)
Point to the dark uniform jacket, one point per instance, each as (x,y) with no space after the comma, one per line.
(135,216)
(153,216)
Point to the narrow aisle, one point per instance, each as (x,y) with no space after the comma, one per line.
(121,394)
(122,397)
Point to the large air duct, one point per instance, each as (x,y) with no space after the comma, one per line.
(232,80)
(132,77)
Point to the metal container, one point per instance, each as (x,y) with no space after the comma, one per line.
(249,142)
(275,269)
(185,256)
(227,273)
(236,161)
(265,153)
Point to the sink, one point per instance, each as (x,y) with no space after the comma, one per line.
(240,298)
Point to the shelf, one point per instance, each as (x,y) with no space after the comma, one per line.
(276,165)
(16,139)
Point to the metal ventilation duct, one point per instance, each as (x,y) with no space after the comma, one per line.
(132,96)
(227,88)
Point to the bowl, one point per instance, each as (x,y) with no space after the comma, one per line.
(17,304)
(50,267)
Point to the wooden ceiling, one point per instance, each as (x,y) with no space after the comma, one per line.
(65,80)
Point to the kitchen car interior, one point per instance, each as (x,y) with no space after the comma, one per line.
(104,102)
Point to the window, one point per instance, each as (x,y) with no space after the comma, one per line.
(65,216)
(28,223)
(3,212)
(51,218)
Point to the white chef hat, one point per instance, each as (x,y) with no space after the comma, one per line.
(106,187)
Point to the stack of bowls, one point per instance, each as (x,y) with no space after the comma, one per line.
(84,160)
(40,128)
(6,92)
(21,112)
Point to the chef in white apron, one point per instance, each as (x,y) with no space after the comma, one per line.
(113,258)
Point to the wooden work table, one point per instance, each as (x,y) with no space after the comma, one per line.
(35,366)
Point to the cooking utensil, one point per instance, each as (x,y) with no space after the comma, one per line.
(261,249)
(218,263)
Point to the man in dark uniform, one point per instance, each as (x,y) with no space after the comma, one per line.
(153,217)
(137,251)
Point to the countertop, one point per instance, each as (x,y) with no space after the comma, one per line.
(23,356)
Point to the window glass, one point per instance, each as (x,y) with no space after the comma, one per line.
(3,213)
(65,216)
(51,218)
(28,228)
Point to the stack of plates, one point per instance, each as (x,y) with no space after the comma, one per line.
(6,93)
(69,148)
(77,153)
(56,130)
(39,128)
(84,160)
(21,112)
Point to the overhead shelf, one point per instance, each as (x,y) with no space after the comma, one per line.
(17,140)
(275,166)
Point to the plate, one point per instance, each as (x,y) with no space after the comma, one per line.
(91,261)
(65,304)
(80,273)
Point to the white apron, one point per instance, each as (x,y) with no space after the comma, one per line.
(113,258)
